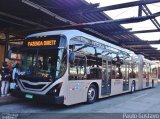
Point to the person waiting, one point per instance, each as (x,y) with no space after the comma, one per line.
(16,72)
(5,79)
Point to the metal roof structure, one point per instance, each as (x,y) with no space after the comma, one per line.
(22,17)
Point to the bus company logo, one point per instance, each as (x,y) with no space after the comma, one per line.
(41,43)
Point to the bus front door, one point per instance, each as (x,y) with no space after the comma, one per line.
(106,78)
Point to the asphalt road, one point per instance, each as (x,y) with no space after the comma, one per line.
(145,101)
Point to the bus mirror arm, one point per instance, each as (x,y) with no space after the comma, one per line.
(72,47)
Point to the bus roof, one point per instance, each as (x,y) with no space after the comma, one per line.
(55,32)
(74,33)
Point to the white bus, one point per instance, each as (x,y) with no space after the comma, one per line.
(69,67)
(147,75)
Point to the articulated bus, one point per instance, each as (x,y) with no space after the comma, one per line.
(69,67)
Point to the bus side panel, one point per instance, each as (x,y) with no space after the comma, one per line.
(74,92)
(77,90)
(116,86)
(137,85)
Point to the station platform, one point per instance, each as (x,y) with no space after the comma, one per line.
(7,100)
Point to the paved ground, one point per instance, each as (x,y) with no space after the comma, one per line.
(145,101)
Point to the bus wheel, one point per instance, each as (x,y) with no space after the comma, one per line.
(133,87)
(91,94)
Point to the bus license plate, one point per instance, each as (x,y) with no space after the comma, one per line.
(29,96)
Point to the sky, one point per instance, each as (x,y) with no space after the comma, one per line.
(133,12)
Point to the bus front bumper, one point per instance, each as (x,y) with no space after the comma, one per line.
(49,99)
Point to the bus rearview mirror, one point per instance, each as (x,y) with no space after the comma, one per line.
(71,58)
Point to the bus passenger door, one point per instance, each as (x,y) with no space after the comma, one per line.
(148,76)
(146,73)
(125,71)
(106,77)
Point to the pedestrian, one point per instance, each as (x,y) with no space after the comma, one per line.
(5,79)
(16,72)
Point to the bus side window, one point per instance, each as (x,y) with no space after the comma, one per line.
(144,74)
(96,73)
(73,72)
(77,69)
(88,72)
(113,75)
(132,74)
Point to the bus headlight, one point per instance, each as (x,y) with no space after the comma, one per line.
(55,90)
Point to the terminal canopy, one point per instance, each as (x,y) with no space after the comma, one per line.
(19,18)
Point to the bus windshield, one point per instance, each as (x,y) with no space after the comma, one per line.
(44,63)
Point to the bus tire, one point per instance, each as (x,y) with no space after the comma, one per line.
(152,83)
(133,87)
(91,94)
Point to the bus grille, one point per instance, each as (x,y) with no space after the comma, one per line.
(40,86)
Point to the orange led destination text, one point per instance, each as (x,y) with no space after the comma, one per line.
(42,43)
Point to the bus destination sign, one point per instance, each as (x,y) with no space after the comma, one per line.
(41,43)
